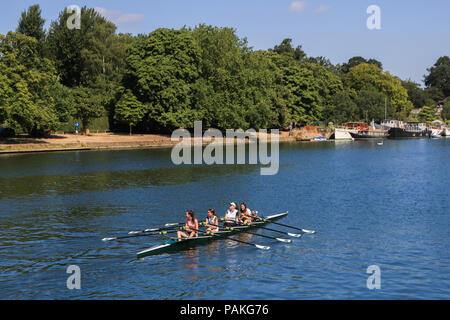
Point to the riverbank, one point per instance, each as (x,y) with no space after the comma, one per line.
(99,141)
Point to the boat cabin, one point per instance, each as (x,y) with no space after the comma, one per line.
(360,126)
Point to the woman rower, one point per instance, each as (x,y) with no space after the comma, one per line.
(244,213)
(212,221)
(191,226)
(232,215)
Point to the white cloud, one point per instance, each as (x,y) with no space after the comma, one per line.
(117,16)
(323,8)
(297,6)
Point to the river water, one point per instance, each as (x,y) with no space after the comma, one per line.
(370,205)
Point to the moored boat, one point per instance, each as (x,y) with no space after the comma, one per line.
(342,133)
(446,131)
(361,130)
(435,133)
(410,130)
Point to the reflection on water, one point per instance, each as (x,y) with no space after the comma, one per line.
(386,205)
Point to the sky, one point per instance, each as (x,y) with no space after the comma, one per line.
(413,34)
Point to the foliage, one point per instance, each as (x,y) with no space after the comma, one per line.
(341,108)
(446,110)
(31,23)
(355,61)
(418,96)
(27,86)
(439,75)
(427,114)
(68,47)
(285,48)
(163,68)
(129,109)
(170,78)
(88,105)
(371,104)
(366,74)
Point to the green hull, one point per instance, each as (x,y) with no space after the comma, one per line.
(173,245)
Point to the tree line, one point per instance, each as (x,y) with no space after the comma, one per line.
(169,78)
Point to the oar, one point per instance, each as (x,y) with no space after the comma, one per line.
(167,226)
(237,240)
(268,237)
(287,226)
(257,234)
(139,235)
(295,228)
(295,235)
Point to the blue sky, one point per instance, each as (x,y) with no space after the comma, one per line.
(413,33)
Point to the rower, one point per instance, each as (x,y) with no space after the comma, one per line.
(212,221)
(191,226)
(245,214)
(232,216)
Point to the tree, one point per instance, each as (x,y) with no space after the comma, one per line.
(446,110)
(341,108)
(220,89)
(63,101)
(88,105)
(365,74)
(439,75)
(324,62)
(434,94)
(31,23)
(66,46)
(371,104)
(355,61)
(26,86)
(427,114)
(285,47)
(129,109)
(163,67)
(416,95)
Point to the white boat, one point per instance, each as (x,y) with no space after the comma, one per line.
(435,132)
(446,131)
(341,133)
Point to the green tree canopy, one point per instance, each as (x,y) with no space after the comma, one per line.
(446,110)
(129,109)
(439,76)
(163,67)
(67,46)
(285,47)
(371,104)
(427,114)
(366,74)
(31,23)
(88,105)
(27,86)
(341,108)
(417,95)
(355,61)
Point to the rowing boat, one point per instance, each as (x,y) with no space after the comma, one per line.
(173,244)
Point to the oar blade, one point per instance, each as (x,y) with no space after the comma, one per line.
(284,240)
(171,224)
(109,239)
(308,231)
(295,235)
(262,247)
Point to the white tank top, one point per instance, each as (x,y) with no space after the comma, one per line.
(232,216)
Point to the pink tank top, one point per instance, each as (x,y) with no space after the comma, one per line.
(191,224)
